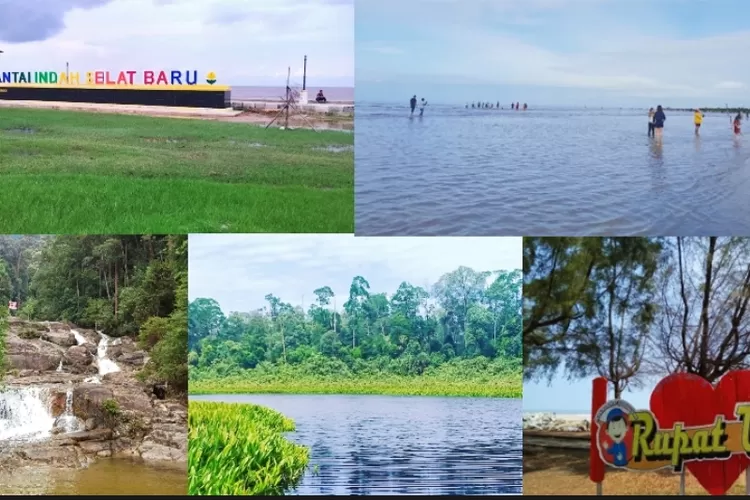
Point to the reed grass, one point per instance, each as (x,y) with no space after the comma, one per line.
(239,449)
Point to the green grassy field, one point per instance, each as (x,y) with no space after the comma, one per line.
(238,449)
(77,172)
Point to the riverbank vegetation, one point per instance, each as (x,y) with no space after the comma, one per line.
(630,309)
(463,338)
(121,285)
(83,173)
(239,449)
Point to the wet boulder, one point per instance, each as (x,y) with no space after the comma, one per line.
(63,339)
(88,401)
(31,355)
(78,358)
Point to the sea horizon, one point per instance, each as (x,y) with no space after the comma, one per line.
(248,92)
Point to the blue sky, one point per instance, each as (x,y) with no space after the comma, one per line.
(555,52)
(567,396)
(238,270)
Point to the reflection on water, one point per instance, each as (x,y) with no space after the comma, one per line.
(546,172)
(403,445)
(104,477)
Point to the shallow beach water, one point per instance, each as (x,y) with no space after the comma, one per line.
(584,172)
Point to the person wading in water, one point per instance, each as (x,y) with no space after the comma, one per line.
(413,104)
(659,119)
(650,122)
(698,119)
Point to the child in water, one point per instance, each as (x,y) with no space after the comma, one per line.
(651,122)
(697,119)
(737,124)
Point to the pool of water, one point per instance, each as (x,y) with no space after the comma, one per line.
(403,445)
(104,477)
(547,172)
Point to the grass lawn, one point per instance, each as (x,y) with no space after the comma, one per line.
(76,172)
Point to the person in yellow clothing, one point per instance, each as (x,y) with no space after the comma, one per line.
(698,119)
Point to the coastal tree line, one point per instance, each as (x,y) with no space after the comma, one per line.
(466,314)
(632,308)
(122,285)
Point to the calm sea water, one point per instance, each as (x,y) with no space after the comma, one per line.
(241,93)
(403,445)
(547,172)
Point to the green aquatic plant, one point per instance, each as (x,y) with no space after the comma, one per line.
(239,449)
(471,378)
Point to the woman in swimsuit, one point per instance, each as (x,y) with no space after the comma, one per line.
(737,124)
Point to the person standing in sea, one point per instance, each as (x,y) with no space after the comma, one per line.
(422,104)
(698,119)
(650,122)
(659,119)
(737,124)
(413,104)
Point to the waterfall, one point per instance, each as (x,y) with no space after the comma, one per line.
(68,422)
(25,414)
(80,339)
(59,367)
(105,364)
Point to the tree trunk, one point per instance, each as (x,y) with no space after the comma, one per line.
(116,287)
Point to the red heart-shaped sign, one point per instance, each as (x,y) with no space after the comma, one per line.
(687,398)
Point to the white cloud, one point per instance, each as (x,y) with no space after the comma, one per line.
(246,42)
(239,270)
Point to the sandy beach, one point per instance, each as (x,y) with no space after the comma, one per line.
(252,116)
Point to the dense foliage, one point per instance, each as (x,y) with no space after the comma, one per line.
(239,449)
(629,307)
(468,315)
(122,285)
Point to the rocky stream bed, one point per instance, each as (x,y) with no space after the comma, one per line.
(71,397)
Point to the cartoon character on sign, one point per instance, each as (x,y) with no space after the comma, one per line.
(615,437)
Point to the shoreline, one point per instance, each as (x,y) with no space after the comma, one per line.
(353,388)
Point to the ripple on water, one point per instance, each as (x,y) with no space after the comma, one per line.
(547,172)
(403,445)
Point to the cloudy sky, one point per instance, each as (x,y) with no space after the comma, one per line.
(604,52)
(246,42)
(238,270)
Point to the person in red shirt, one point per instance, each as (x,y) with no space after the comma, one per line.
(737,124)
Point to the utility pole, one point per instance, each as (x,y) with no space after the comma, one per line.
(304,75)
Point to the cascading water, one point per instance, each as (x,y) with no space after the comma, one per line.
(25,414)
(59,367)
(67,422)
(105,364)
(80,339)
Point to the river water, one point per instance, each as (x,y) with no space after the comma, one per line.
(402,445)
(104,477)
(547,172)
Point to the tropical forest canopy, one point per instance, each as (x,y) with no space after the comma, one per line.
(121,285)
(628,308)
(466,314)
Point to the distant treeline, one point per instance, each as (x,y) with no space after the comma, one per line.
(713,110)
